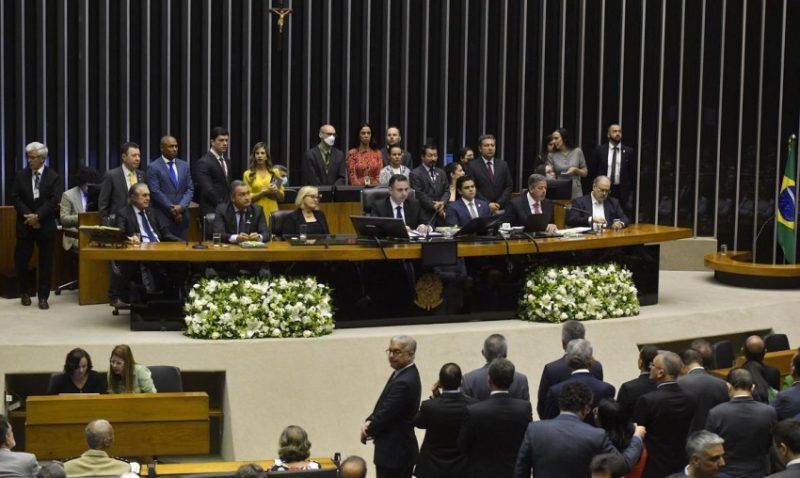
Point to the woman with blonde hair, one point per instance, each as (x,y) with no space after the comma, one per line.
(266,184)
(307,213)
(294,451)
(125,375)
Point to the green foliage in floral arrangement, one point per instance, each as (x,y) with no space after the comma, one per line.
(248,308)
(588,292)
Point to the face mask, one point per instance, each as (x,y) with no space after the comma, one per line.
(285,180)
(329,140)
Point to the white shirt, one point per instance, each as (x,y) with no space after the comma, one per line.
(33,181)
(615,179)
(531,202)
(597,209)
(394,209)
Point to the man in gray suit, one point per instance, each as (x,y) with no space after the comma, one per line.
(14,464)
(786,437)
(707,390)
(118,181)
(476,383)
(75,201)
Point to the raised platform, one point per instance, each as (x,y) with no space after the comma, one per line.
(329,385)
(736,268)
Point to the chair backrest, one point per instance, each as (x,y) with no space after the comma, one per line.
(326,473)
(208,223)
(776,342)
(55,377)
(166,378)
(724,355)
(370,196)
(276,222)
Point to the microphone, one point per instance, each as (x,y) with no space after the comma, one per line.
(200,244)
(570,206)
(758,234)
(430,223)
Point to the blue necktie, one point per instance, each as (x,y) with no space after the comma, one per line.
(147,230)
(241,225)
(173,175)
(399,214)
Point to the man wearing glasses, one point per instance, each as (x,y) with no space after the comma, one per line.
(597,208)
(391,423)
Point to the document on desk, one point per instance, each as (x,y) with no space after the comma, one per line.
(574,232)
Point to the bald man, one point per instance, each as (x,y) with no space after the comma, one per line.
(324,165)
(95,461)
(765,377)
(171,187)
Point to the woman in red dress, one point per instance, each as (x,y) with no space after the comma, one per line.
(364,162)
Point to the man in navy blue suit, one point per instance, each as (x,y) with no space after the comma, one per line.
(533,202)
(171,186)
(786,437)
(469,206)
(597,208)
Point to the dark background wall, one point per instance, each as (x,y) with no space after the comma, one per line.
(705,89)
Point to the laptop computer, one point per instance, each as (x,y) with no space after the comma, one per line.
(536,224)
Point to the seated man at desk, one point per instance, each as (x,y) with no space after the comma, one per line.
(533,202)
(239,220)
(400,206)
(468,206)
(597,208)
(95,461)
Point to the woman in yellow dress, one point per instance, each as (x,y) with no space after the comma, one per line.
(266,187)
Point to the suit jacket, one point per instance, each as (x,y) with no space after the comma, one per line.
(667,414)
(457,214)
(555,372)
(129,223)
(630,391)
(441,418)
(71,205)
(314,173)
(210,182)
(114,191)
(476,385)
(564,447)
(576,217)
(407,160)
(600,390)
(518,210)
(50,190)
(17,464)
(426,190)
(492,433)
(746,425)
(95,463)
(790,472)
(499,190)
(787,402)
(412,210)
(598,166)
(764,376)
(708,392)
(292,221)
(164,194)
(392,421)
(225,221)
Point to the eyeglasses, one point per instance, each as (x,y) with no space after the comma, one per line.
(395,352)
(313,196)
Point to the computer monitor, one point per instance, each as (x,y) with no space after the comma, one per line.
(559,189)
(379,227)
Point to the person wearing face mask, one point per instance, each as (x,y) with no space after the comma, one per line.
(75,201)
(78,376)
(324,165)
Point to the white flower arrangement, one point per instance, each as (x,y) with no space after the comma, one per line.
(588,292)
(246,308)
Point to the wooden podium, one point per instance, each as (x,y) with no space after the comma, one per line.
(145,424)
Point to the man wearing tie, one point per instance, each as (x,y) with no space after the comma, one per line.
(430,183)
(118,181)
(597,208)
(171,187)
(400,206)
(534,202)
(324,165)
(35,195)
(211,173)
(469,206)
(75,201)
(618,162)
(492,176)
(239,220)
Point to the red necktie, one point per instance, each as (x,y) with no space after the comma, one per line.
(490,169)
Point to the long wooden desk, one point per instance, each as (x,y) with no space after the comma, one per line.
(165,469)
(144,423)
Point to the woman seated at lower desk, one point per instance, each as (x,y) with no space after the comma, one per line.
(78,376)
(294,451)
(125,375)
(307,213)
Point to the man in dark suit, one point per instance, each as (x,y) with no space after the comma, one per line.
(492,175)
(35,194)
(399,205)
(391,423)
(239,220)
(324,165)
(493,429)
(786,438)
(618,162)
(533,202)
(430,184)
(441,418)
(565,445)
(14,463)
(746,425)
(469,206)
(597,208)
(706,456)
(171,186)
(476,382)
(579,359)
(787,402)
(630,391)
(557,370)
(764,376)
(393,139)
(211,173)
(118,181)
(667,414)
(708,391)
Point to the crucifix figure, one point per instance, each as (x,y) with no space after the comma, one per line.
(281,12)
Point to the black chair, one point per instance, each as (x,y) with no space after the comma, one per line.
(724,356)
(166,378)
(776,342)
(55,377)
(290,194)
(327,473)
(371,195)
(276,221)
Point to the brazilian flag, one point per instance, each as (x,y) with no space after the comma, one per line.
(787,199)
